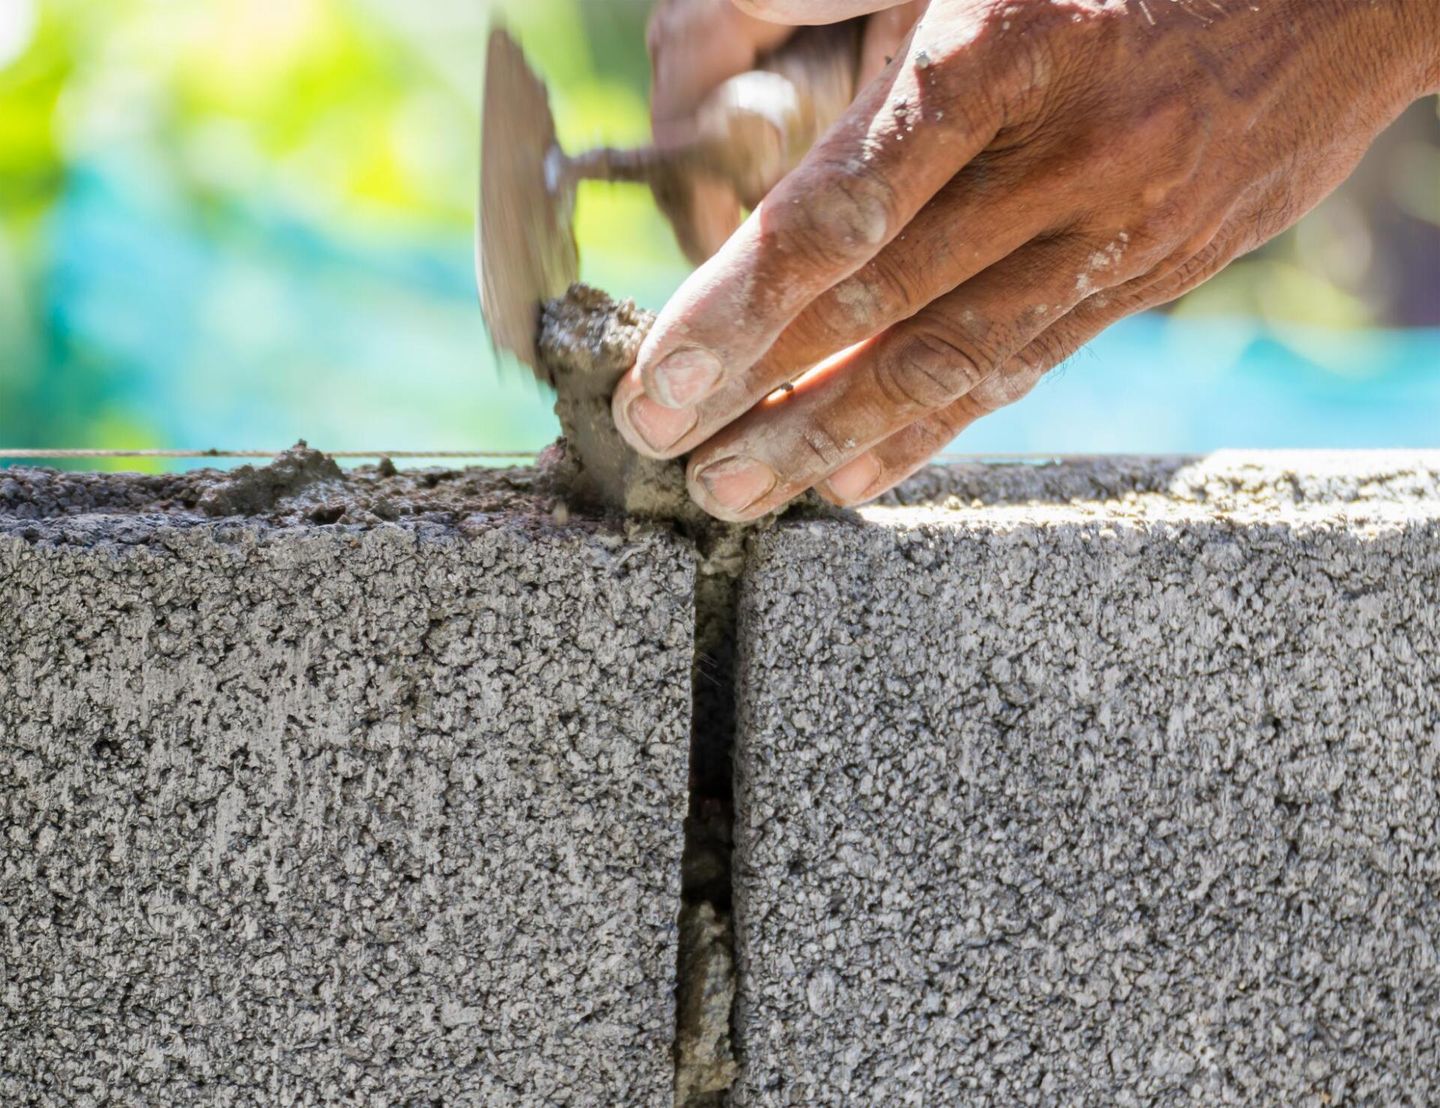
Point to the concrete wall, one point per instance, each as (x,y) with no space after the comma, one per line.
(1099,783)
(295,814)
(1126,799)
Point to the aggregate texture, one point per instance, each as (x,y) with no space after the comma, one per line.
(385,809)
(301,486)
(1100,783)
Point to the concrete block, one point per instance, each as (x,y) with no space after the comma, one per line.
(373,794)
(1097,783)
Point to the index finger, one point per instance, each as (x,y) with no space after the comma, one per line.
(902,139)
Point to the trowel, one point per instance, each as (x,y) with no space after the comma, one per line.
(749,132)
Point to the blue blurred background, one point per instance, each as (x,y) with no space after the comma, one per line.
(235,223)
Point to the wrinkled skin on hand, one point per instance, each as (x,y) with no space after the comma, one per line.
(1020,175)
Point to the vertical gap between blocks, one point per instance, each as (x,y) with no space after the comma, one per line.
(705,1062)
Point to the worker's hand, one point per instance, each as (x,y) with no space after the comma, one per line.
(1023,174)
(695,46)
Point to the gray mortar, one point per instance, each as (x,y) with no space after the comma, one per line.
(705,973)
(1062,800)
(364,812)
(1225,481)
(248,490)
(301,486)
(705,1060)
(587,343)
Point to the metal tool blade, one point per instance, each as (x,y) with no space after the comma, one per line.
(525,250)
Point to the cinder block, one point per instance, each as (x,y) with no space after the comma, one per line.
(1100,783)
(375,812)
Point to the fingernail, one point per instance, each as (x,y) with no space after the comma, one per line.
(852,480)
(660,427)
(685,376)
(736,483)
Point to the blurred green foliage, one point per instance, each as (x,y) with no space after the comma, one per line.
(235,222)
(239,222)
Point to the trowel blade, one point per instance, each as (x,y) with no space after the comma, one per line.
(525,250)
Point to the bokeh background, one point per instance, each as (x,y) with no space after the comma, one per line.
(236,223)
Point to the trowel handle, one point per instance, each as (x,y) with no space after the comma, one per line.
(755,128)
(748,133)
(639,164)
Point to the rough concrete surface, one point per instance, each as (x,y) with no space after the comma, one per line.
(381,809)
(1098,783)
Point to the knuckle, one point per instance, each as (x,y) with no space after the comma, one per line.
(854,307)
(1157,226)
(1028,43)
(926,370)
(1195,241)
(1171,129)
(1027,73)
(866,302)
(822,452)
(1004,389)
(1054,53)
(1044,353)
(1193,272)
(1102,262)
(1163,223)
(840,211)
(1123,300)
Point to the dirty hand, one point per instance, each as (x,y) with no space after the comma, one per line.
(1020,176)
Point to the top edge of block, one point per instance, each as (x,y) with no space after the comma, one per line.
(300,487)
(304,488)
(1317,484)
